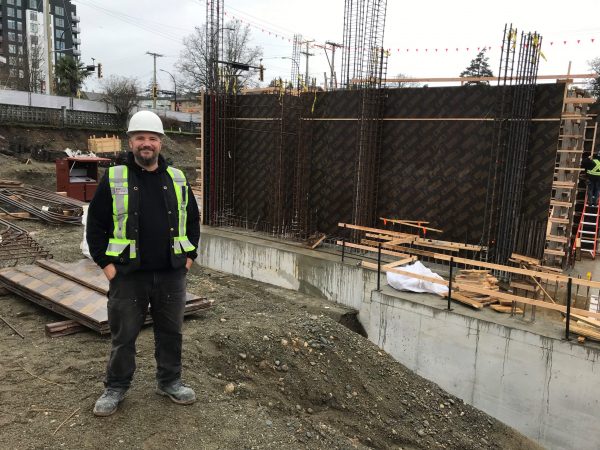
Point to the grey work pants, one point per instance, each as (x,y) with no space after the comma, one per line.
(128,299)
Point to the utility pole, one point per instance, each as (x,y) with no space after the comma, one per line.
(154,87)
(333,77)
(307,54)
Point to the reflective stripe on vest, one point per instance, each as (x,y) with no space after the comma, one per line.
(119,189)
(596,170)
(181,242)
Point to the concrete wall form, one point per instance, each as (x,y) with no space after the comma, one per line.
(543,386)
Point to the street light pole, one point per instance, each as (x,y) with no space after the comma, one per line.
(174,87)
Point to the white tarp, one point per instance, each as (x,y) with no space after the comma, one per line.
(84,245)
(406,283)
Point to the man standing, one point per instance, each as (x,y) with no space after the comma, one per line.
(143,229)
(592,168)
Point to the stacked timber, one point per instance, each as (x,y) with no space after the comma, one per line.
(482,279)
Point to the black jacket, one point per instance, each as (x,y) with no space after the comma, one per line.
(152,221)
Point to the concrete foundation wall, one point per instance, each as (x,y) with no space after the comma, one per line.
(543,386)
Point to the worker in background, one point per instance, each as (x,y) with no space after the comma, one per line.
(592,169)
(143,229)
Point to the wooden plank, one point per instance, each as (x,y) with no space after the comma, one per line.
(63,328)
(372,230)
(372,249)
(400,262)
(373,266)
(526,259)
(459,245)
(563,184)
(408,250)
(317,242)
(554,238)
(466,79)
(466,300)
(561,204)
(403,240)
(581,100)
(409,224)
(524,286)
(583,331)
(506,309)
(550,251)
(559,220)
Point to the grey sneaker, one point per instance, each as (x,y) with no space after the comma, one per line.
(108,402)
(178,392)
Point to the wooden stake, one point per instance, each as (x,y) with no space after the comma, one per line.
(11,327)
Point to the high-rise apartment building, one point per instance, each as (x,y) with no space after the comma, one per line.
(34,35)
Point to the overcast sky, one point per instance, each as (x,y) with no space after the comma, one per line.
(118,33)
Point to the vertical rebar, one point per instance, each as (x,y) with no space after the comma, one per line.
(568,303)
(379,266)
(450,284)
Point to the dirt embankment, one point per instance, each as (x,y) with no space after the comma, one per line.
(27,154)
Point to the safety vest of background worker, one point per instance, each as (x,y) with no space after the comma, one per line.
(594,170)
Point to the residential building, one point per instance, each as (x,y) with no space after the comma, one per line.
(34,35)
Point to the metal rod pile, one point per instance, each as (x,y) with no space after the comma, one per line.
(45,205)
(16,246)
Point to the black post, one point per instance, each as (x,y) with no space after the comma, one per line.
(344,243)
(450,284)
(379,266)
(569,287)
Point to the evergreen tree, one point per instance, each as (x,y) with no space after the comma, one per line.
(479,67)
(69,74)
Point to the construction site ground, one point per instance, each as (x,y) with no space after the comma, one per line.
(272,368)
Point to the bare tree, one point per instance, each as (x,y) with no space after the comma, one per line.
(122,94)
(194,59)
(594,83)
(30,66)
(405,84)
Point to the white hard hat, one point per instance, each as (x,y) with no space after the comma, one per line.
(145,121)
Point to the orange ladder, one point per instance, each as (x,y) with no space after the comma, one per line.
(587,230)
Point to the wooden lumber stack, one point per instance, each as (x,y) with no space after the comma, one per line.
(479,278)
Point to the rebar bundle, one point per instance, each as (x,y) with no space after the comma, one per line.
(295,79)
(42,204)
(18,247)
(511,142)
(364,66)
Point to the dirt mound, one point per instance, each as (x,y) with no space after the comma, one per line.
(272,369)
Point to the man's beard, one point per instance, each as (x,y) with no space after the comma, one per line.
(145,161)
